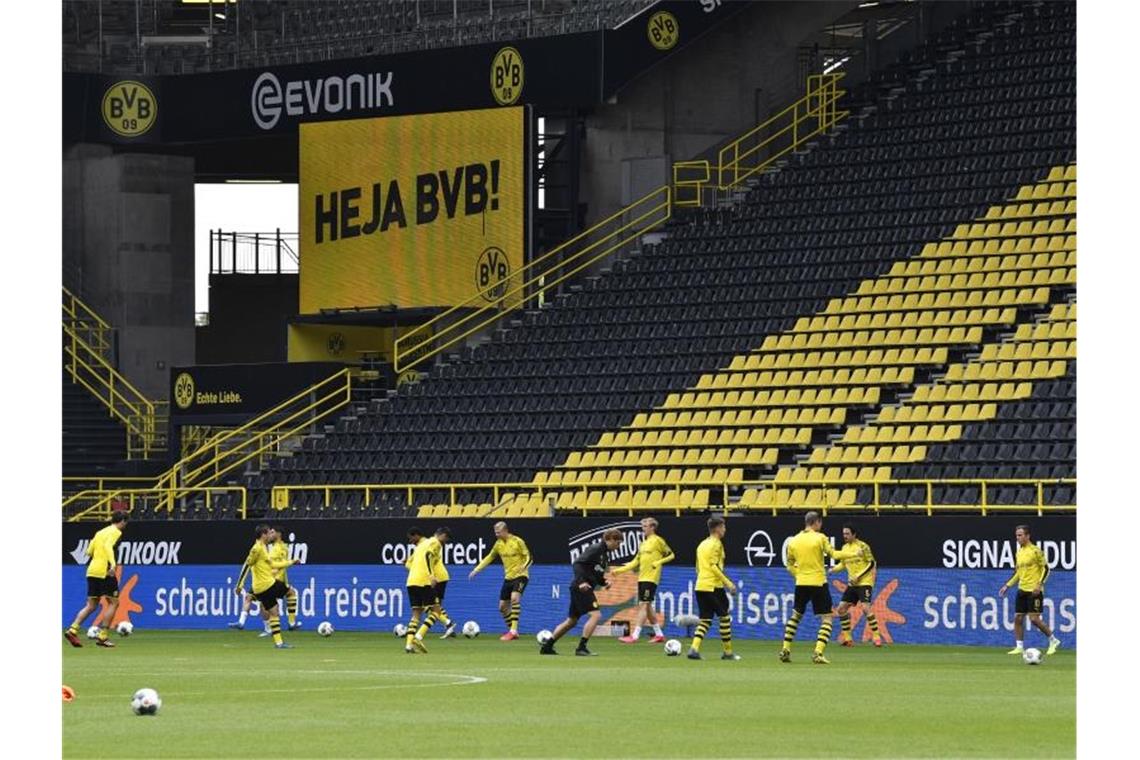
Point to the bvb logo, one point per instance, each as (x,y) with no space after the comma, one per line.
(492,273)
(184,391)
(335,344)
(663,30)
(507,76)
(129,108)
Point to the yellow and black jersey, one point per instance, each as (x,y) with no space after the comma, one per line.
(514,555)
(435,548)
(651,555)
(279,551)
(806,557)
(860,570)
(420,565)
(261,567)
(1031,570)
(102,552)
(710,565)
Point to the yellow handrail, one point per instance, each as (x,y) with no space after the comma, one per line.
(260,433)
(697,182)
(87,361)
(280,494)
(819,107)
(88,368)
(104,500)
(534,280)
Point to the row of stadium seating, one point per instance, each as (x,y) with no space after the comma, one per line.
(838,232)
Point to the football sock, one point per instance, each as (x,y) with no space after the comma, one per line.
(583,641)
(636,632)
(275,629)
(444,617)
(699,634)
(73,629)
(242,617)
(790,628)
(1020,644)
(726,634)
(291,606)
(413,626)
(845,624)
(873,622)
(513,620)
(506,617)
(103,633)
(657,630)
(429,621)
(824,635)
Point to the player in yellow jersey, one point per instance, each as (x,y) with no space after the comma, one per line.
(860,587)
(515,556)
(1030,574)
(806,553)
(712,600)
(421,588)
(101,581)
(434,548)
(267,587)
(651,555)
(279,550)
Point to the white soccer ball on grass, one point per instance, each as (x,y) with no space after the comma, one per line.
(146,702)
(325,629)
(93,632)
(399,630)
(1032,656)
(544,636)
(470,629)
(672,647)
(125,628)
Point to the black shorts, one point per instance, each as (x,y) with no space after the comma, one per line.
(509,587)
(269,596)
(421,596)
(819,596)
(97,587)
(646,591)
(440,589)
(712,604)
(581,602)
(1029,603)
(857,594)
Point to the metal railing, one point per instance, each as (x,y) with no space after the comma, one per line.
(824,493)
(691,176)
(254,252)
(89,366)
(99,503)
(540,275)
(755,150)
(223,453)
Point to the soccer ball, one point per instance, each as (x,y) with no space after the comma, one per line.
(325,629)
(672,647)
(399,630)
(544,636)
(470,629)
(146,702)
(1032,656)
(125,628)
(93,632)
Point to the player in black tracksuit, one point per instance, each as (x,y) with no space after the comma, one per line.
(589,573)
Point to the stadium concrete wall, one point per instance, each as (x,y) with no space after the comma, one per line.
(937,582)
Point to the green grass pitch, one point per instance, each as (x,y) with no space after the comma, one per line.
(230,694)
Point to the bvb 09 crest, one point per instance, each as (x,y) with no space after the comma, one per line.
(184,390)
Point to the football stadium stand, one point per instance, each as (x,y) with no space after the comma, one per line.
(885,319)
(173,37)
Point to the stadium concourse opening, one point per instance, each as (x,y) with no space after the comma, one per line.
(619,332)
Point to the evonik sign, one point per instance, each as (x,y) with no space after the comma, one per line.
(328,95)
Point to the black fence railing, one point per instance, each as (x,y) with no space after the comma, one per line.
(253,252)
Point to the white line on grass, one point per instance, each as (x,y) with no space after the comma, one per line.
(459,680)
